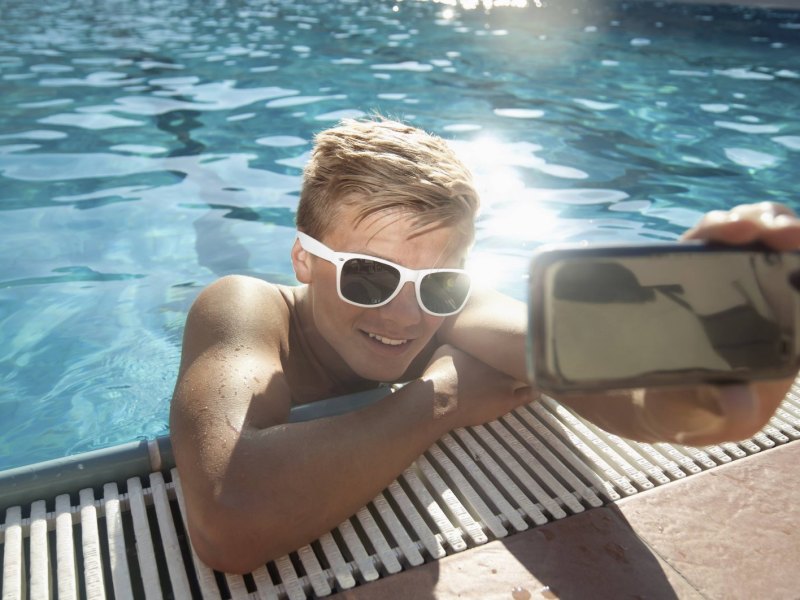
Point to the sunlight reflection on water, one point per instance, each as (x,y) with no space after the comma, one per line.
(147,148)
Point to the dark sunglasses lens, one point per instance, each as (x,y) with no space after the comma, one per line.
(444,292)
(368,282)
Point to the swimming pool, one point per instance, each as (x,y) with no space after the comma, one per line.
(147,148)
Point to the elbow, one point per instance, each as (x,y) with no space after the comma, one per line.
(227,549)
(226,540)
(221,552)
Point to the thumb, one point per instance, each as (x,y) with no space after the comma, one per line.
(736,405)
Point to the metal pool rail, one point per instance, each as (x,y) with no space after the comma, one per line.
(126,537)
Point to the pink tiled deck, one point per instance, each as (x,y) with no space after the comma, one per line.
(732,532)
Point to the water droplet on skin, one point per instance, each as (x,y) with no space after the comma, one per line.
(548,593)
(520,593)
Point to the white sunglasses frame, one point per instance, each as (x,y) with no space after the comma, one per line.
(338,259)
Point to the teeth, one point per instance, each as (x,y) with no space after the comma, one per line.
(387,341)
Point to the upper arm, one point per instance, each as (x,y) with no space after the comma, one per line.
(492,327)
(230,377)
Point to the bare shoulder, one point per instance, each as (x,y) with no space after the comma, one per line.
(236,303)
(231,376)
(235,310)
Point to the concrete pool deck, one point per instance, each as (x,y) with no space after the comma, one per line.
(731,532)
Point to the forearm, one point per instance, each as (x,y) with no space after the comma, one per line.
(286,485)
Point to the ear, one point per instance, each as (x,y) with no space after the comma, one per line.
(301,261)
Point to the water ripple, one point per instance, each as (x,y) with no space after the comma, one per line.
(155,148)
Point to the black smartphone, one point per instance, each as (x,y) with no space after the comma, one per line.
(617,317)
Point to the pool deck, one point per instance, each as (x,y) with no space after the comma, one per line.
(731,532)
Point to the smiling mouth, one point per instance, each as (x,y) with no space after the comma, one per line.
(387,341)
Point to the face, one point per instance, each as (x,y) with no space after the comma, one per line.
(378,343)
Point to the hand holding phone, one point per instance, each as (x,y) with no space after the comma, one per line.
(621,317)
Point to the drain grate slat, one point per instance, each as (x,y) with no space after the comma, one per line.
(116,543)
(451,502)
(169,539)
(90,537)
(13,566)
(266,588)
(481,515)
(66,564)
(144,542)
(573,428)
(362,558)
(316,576)
(384,552)
(653,471)
(407,547)
(683,461)
(571,466)
(291,584)
(236,586)
(530,452)
(430,542)
(486,488)
(494,467)
(521,457)
(205,576)
(538,464)
(433,508)
(342,573)
(41,584)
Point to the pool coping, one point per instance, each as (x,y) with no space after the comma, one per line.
(68,475)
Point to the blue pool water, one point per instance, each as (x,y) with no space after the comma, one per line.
(147,148)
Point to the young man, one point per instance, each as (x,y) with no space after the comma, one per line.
(386,219)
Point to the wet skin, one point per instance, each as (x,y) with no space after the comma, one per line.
(251,349)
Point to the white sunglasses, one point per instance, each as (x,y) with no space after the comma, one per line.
(370,282)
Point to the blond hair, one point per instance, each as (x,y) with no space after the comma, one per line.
(381,165)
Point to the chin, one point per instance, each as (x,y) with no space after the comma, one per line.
(381,369)
(382,375)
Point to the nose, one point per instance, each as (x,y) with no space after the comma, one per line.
(403,310)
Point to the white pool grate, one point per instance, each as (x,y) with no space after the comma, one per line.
(536,465)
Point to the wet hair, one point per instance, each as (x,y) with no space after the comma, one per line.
(379,165)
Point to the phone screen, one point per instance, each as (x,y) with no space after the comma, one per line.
(614,319)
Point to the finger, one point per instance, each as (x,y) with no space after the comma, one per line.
(723,227)
(782,233)
(738,412)
(772,224)
(525,393)
(695,416)
(759,209)
(770,396)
